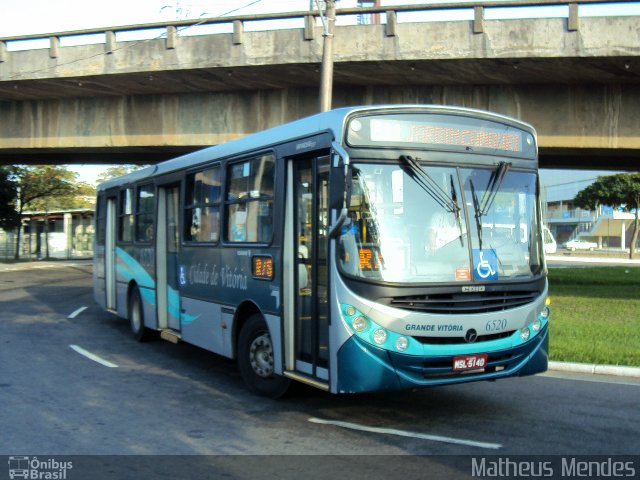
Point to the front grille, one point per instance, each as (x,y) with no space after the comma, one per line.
(464,302)
(459,340)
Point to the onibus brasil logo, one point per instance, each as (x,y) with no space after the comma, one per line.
(36,469)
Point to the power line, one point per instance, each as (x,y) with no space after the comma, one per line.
(240,8)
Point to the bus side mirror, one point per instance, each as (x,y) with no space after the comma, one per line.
(340,187)
(340,183)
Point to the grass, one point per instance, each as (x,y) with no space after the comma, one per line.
(595,315)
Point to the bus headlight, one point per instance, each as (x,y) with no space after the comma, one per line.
(359,324)
(525,333)
(350,310)
(536,325)
(402,343)
(380,336)
(544,314)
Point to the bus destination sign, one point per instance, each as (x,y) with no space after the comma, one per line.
(446,131)
(457,136)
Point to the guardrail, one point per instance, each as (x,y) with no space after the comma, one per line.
(309,18)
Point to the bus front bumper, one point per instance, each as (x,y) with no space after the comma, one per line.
(364,367)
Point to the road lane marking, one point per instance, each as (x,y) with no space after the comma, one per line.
(93,357)
(77,312)
(404,433)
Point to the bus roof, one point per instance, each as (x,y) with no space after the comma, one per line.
(331,121)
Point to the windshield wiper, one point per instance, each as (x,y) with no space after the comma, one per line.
(493,186)
(477,213)
(429,185)
(482,207)
(454,198)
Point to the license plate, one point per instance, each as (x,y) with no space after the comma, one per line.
(469,362)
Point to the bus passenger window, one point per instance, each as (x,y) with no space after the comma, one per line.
(250,200)
(125,220)
(237,223)
(202,206)
(101,220)
(145,207)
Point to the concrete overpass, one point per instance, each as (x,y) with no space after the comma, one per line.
(576,78)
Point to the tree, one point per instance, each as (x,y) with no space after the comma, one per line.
(117,171)
(37,183)
(9,218)
(621,190)
(82,195)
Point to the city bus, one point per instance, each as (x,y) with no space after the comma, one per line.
(357,250)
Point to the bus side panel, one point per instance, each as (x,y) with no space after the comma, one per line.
(209,326)
(235,282)
(213,282)
(122,289)
(149,307)
(135,264)
(274,324)
(202,324)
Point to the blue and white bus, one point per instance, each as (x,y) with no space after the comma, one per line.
(356,250)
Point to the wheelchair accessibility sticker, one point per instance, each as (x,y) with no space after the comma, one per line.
(485,264)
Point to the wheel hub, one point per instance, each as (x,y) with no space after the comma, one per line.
(261,356)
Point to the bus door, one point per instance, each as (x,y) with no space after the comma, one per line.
(167,244)
(110,254)
(308,209)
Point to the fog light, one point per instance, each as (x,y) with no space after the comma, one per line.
(350,311)
(359,324)
(536,325)
(525,333)
(402,343)
(380,336)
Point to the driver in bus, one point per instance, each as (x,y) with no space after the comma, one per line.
(442,229)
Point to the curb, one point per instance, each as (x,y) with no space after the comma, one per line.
(595,369)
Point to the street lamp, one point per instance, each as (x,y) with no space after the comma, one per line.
(326,76)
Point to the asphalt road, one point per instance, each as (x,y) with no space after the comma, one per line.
(166,399)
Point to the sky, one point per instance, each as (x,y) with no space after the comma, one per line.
(21,17)
(26,17)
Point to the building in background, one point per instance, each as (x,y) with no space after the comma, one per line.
(609,228)
(61,234)
(369,18)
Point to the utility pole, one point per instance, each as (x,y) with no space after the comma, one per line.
(326,71)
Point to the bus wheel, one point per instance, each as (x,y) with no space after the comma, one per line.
(136,316)
(255,359)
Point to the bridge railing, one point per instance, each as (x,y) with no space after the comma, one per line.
(476,13)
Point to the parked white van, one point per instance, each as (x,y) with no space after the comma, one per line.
(550,245)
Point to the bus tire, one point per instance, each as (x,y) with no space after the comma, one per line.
(136,316)
(256,360)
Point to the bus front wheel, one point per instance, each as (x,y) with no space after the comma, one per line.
(256,359)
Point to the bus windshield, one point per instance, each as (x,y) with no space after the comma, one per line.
(454,225)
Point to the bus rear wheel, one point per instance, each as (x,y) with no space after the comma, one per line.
(256,359)
(136,316)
